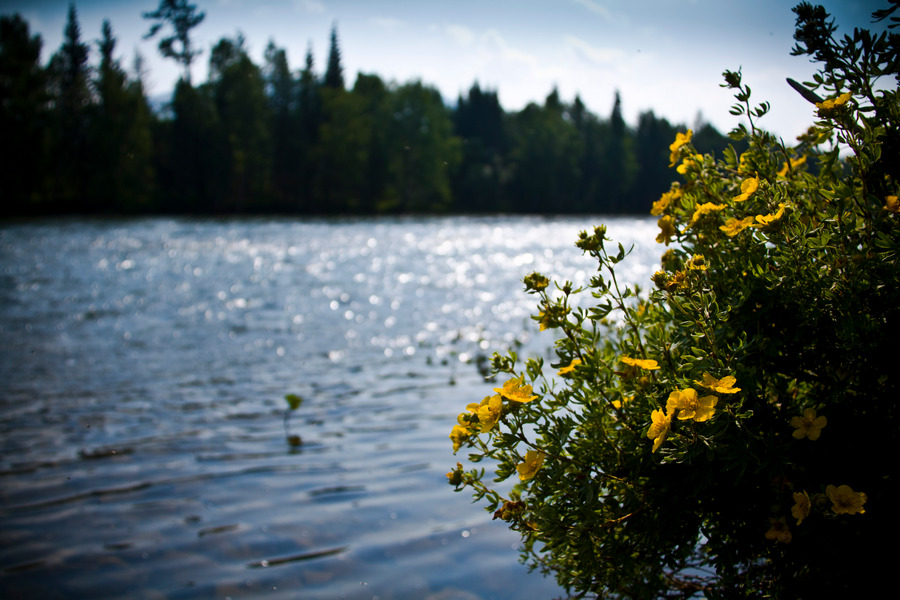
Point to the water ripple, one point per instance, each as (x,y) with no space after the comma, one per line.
(142,382)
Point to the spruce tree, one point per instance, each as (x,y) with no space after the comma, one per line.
(22,117)
(334,73)
(70,76)
(182,17)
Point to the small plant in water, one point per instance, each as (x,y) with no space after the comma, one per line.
(294,401)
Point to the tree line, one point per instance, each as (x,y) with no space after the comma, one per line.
(81,138)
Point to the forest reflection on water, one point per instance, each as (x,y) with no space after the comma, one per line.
(144,369)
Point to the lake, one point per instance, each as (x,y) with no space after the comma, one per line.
(143,374)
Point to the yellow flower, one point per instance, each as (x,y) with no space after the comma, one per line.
(891,204)
(732,227)
(680,140)
(669,260)
(842,99)
(831,104)
(536,282)
(723,386)
(544,320)
(533,461)
(801,507)
(575,362)
(667,229)
(647,364)
(688,163)
(747,188)
(790,166)
(458,436)
(665,200)
(689,406)
(765,220)
(675,282)
(488,412)
(620,403)
(660,279)
(456,476)
(809,425)
(845,501)
(659,428)
(515,391)
(697,263)
(779,531)
(704,209)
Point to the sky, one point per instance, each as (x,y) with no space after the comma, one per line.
(661,55)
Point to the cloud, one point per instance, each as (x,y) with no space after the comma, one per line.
(387,23)
(311,6)
(495,43)
(618,19)
(596,8)
(461,35)
(599,57)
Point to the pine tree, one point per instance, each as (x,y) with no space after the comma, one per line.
(334,73)
(70,76)
(238,89)
(22,117)
(619,161)
(121,172)
(182,17)
(479,122)
(283,124)
(309,117)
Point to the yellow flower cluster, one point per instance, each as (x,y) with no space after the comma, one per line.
(681,139)
(687,404)
(484,416)
(844,501)
(665,200)
(750,186)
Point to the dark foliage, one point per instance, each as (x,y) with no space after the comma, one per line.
(266,139)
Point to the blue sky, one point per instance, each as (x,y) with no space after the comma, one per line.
(664,55)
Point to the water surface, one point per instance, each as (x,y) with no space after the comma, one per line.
(143,371)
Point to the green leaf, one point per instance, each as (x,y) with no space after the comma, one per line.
(294,401)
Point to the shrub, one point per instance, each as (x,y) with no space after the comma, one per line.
(731,432)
